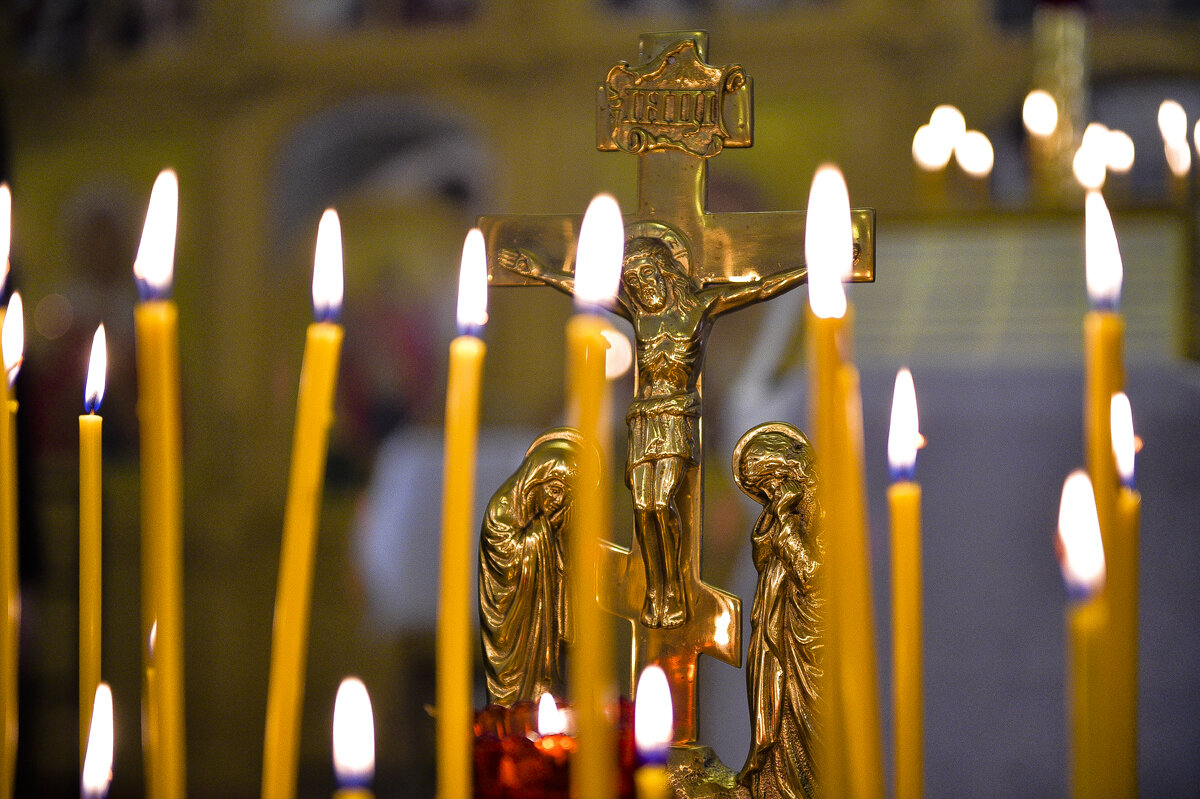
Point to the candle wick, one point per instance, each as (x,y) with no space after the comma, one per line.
(149,292)
(327,313)
(590,308)
(470,329)
(1079,594)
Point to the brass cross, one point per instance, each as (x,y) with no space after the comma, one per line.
(674,111)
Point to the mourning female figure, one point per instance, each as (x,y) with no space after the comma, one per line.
(773,463)
(522,552)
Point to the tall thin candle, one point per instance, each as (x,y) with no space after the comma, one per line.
(850,756)
(306,479)
(157,333)
(455,604)
(1082,555)
(12,344)
(1104,375)
(90,505)
(8,552)
(1122,593)
(904,503)
(601,248)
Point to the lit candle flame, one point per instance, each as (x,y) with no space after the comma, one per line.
(1120,151)
(1179,158)
(931,149)
(1172,121)
(5,230)
(12,337)
(472,285)
(551,720)
(1124,443)
(1081,548)
(601,251)
(1102,256)
(904,437)
(974,154)
(97,762)
(152,638)
(828,242)
(653,715)
(1040,113)
(948,121)
(155,262)
(93,390)
(353,734)
(1089,166)
(327,269)
(1095,135)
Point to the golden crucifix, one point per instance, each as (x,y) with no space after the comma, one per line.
(683,268)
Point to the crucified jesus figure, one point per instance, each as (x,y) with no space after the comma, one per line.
(671,315)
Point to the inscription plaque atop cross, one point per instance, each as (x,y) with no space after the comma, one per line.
(683,268)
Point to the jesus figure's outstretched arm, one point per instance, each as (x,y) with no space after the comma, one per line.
(529,265)
(731,296)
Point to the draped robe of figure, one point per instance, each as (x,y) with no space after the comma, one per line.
(522,593)
(783,665)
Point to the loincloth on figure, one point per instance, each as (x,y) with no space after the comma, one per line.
(663,427)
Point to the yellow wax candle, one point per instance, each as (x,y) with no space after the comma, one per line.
(1124,625)
(652,782)
(12,345)
(8,530)
(162,526)
(1103,334)
(856,621)
(1085,628)
(90,503)
(904,504)
(849,756)
(1083,567)
(824,363)
(1121,593)
(591,674)
(456,601)
(157,333)
(310,442)
(354,741)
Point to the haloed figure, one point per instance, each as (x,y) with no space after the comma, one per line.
(671,315)
(773,463)
(523,613)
